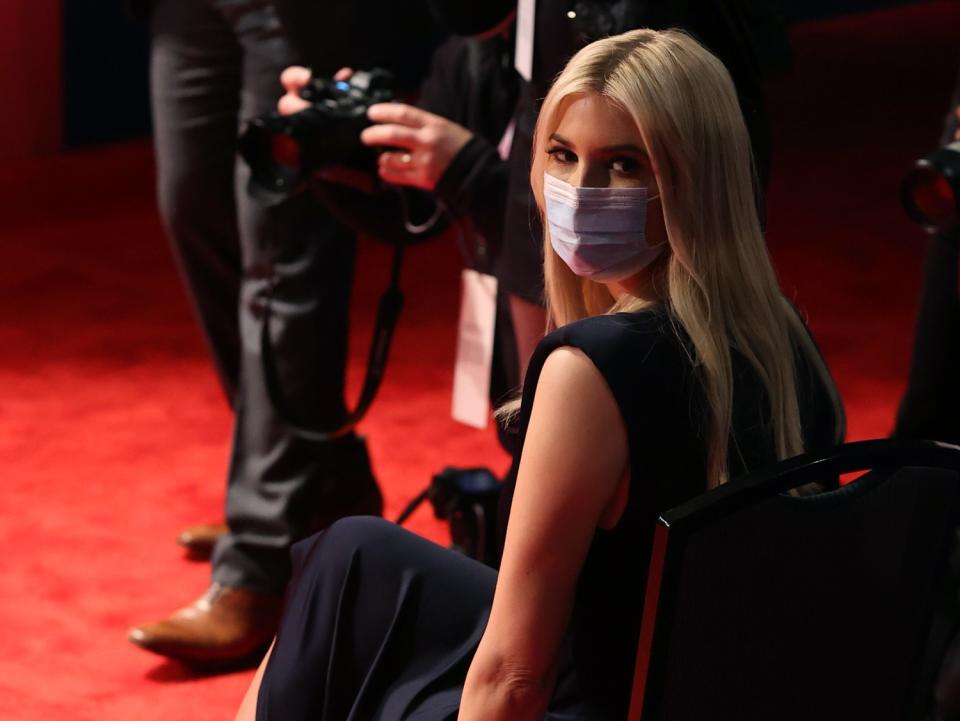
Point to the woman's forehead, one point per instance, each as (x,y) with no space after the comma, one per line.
(597,120)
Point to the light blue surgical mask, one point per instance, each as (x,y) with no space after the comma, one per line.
(600,233)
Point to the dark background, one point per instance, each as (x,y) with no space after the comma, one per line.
(105,65)
(105,56)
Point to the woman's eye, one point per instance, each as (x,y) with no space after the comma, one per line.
(625,165)
(561,155)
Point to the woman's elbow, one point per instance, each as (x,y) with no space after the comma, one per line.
(516,685)
(520,678)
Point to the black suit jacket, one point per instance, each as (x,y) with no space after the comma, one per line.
(362,34)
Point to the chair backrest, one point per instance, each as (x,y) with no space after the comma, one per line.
(764,605)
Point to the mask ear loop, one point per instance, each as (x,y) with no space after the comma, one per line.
(650,200)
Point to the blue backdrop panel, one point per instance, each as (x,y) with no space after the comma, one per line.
(105,53)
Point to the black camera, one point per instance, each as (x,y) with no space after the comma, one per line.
(931,191)
(467,499)
(284,150)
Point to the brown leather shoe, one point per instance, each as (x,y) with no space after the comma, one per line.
(225,625)
(199,540)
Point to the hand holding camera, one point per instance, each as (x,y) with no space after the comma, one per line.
(425,144)
(420,145)
(294,80)
(283,151)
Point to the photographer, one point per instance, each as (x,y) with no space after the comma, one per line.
(930,408)
(214,66)
(447,144)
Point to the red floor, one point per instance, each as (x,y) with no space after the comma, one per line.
(113,433)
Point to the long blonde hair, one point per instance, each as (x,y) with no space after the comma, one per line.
(718,284)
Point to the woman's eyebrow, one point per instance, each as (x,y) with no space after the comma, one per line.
(608,149)
(624,147)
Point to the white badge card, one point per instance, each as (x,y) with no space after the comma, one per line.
(526,21)
(471,372)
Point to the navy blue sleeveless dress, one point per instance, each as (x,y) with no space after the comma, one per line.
(381,624)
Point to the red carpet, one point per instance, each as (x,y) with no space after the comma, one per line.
(113,433)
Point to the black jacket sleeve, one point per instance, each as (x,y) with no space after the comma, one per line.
(474,185)
(469,85)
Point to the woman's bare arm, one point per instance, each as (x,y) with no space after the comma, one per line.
(575,455)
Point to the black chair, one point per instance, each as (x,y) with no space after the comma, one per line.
(764,605)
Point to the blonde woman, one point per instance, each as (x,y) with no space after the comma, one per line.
(675,365)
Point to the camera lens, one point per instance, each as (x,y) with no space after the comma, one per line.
(929,199)
(285,151)
(930,190)
(274,155)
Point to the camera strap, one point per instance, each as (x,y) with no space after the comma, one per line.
(388,312)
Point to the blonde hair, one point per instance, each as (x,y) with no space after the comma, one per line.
(718,282)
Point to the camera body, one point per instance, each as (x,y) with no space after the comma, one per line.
(931,191)
(467,498)
(284,150)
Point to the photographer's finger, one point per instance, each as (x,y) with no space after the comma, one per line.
(398,177)
(291,103)
(343,74)
(396,136)
(399,114)
(295,78)
(395,161)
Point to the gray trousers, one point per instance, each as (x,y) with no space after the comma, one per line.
(215,63)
